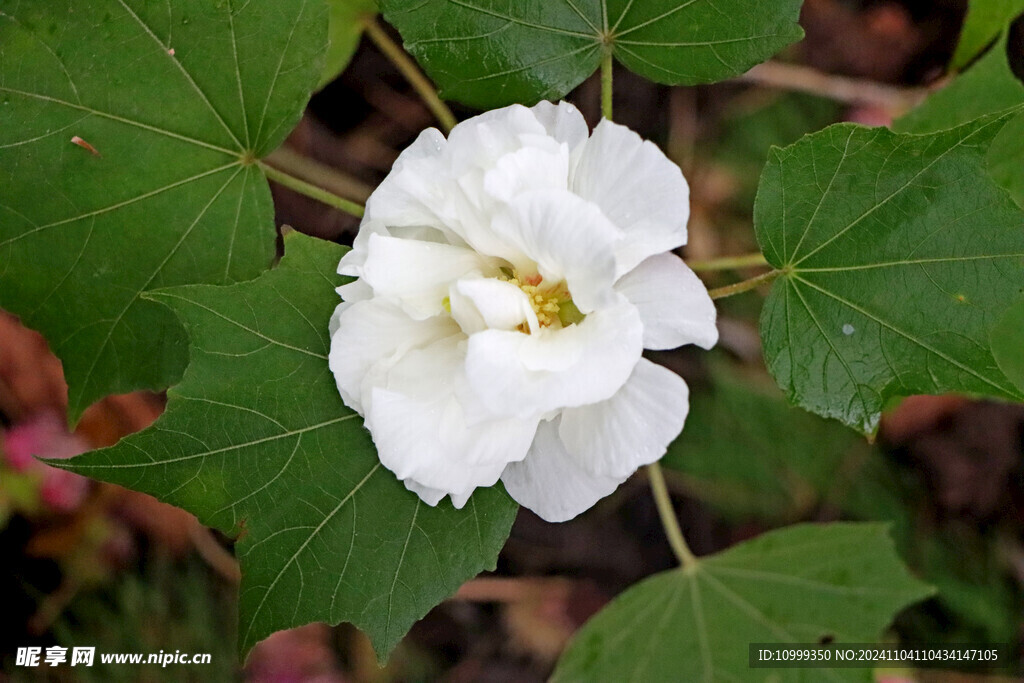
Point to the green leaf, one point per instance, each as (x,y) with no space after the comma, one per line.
(347,22)
(730,453)
(178,99)
(1008,343)
(489,53)
(797,585)
(989,86)
(985,20)
(256,441)
(897,256)
(1006,159)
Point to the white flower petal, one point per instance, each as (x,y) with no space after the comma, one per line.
(335,322)
(478,143)
(632,428)
(428,495)
(532,374)
(416,275)
(351,263)
(417,191)
(459,500)
(367,332)
(528,169)
(448,360)
(357,290)
(673,303)
(551,483)
(418,424)
(568,239)
(487,303)
(481,148)
(433,496)
(640,190)
(563,122)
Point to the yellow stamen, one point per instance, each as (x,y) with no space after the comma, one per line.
(547,301)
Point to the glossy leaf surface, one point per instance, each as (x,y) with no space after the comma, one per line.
(257,442)
(127,135)
(803,584)
(489,53)
(898,254)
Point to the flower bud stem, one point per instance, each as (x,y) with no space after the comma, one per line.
(745,286)
(668,518)
(423,87)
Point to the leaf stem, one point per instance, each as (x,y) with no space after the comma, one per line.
(729,263)
(668,518)
(312,191)
(607,63)
(294,163)
(744,286)
(423,87)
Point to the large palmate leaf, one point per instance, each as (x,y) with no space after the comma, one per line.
(897,256)
(803,584)
(489,53)
(178,99)
(257,442)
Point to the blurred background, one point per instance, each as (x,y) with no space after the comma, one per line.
(91,564)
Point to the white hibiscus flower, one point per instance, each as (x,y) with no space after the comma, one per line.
(509,278)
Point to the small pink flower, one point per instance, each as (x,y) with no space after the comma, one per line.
(45,436)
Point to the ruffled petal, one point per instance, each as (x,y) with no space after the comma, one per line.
(632,428)
(417,191)
(357,290)
(428,495)
(367,332)
(478,143)
(418,423)
(568,239)
(526,169)
(433,496)
(532,374)
(551,483)
(639,189)
(352,262)
(673,303)
(563,122)
(494,145)
(479,304)
(416,275)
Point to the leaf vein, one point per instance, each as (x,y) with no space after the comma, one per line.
(295,555)
(165,49)
(909,337)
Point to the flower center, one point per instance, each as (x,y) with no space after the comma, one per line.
(551,302)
